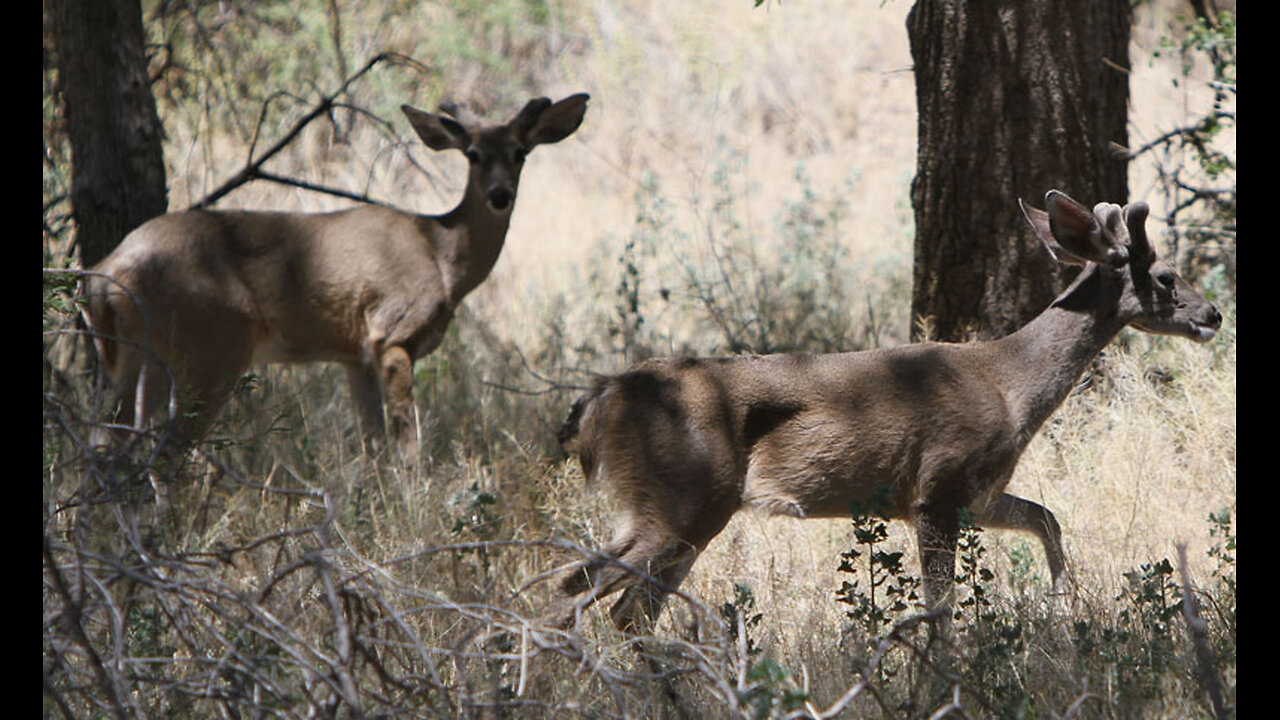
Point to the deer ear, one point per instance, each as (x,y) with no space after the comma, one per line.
(1069,230)
(1043,227)
(1039,222)
(541,122)
(439,132)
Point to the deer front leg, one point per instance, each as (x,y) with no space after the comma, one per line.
(397,390)
(937,531)
(366,396)
(1014,513)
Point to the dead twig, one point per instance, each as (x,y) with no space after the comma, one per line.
(253,167)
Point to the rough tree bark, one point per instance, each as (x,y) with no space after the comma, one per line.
(1015,97)
(118,179)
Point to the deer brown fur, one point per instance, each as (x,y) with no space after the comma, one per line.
(686,443)
(190,300)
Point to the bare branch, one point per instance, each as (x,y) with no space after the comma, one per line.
(253,167)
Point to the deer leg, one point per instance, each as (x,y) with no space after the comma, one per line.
(208,354)
(366,396)
(200,405)
(141,389)
(133,394)
(397,390)
(604,574)
(1014,513)
(937,530)
(646,549)
(636,612)
(149,379)
(641,603)
(667,560)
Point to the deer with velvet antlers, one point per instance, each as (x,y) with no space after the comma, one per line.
(685,443)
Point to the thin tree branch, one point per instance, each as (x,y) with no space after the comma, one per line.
(253,168)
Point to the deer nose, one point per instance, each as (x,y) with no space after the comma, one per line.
(500,198)
(1215,318)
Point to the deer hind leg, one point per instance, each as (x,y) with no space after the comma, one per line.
(189,370)
(641,603)
(1014,513)
(608,572)
(646,562)
(210,355)
(139,389)
(138,381)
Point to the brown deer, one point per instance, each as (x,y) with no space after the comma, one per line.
(686,443)
(189,300)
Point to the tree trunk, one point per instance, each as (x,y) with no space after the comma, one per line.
(1015,97)
(118,179)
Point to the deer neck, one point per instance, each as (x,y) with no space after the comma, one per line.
(468,244)
(1042,362)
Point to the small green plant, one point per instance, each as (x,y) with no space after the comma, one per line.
(1154,601)
(59,296)
(993,634)
(147,631)
(1224,551)
(739,614)
(1154,597)
(971,574)
(1024,572)
(627,324)
(1222,601)
(1140,648)
(477,522)
(889,592)
(770,690)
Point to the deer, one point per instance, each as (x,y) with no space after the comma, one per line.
(190,300)
(685,443)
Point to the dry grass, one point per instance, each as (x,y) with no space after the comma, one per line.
(286,573)
(291,527)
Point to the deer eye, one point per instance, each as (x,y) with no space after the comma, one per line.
(520,154)
(473,156)
(1167,282)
